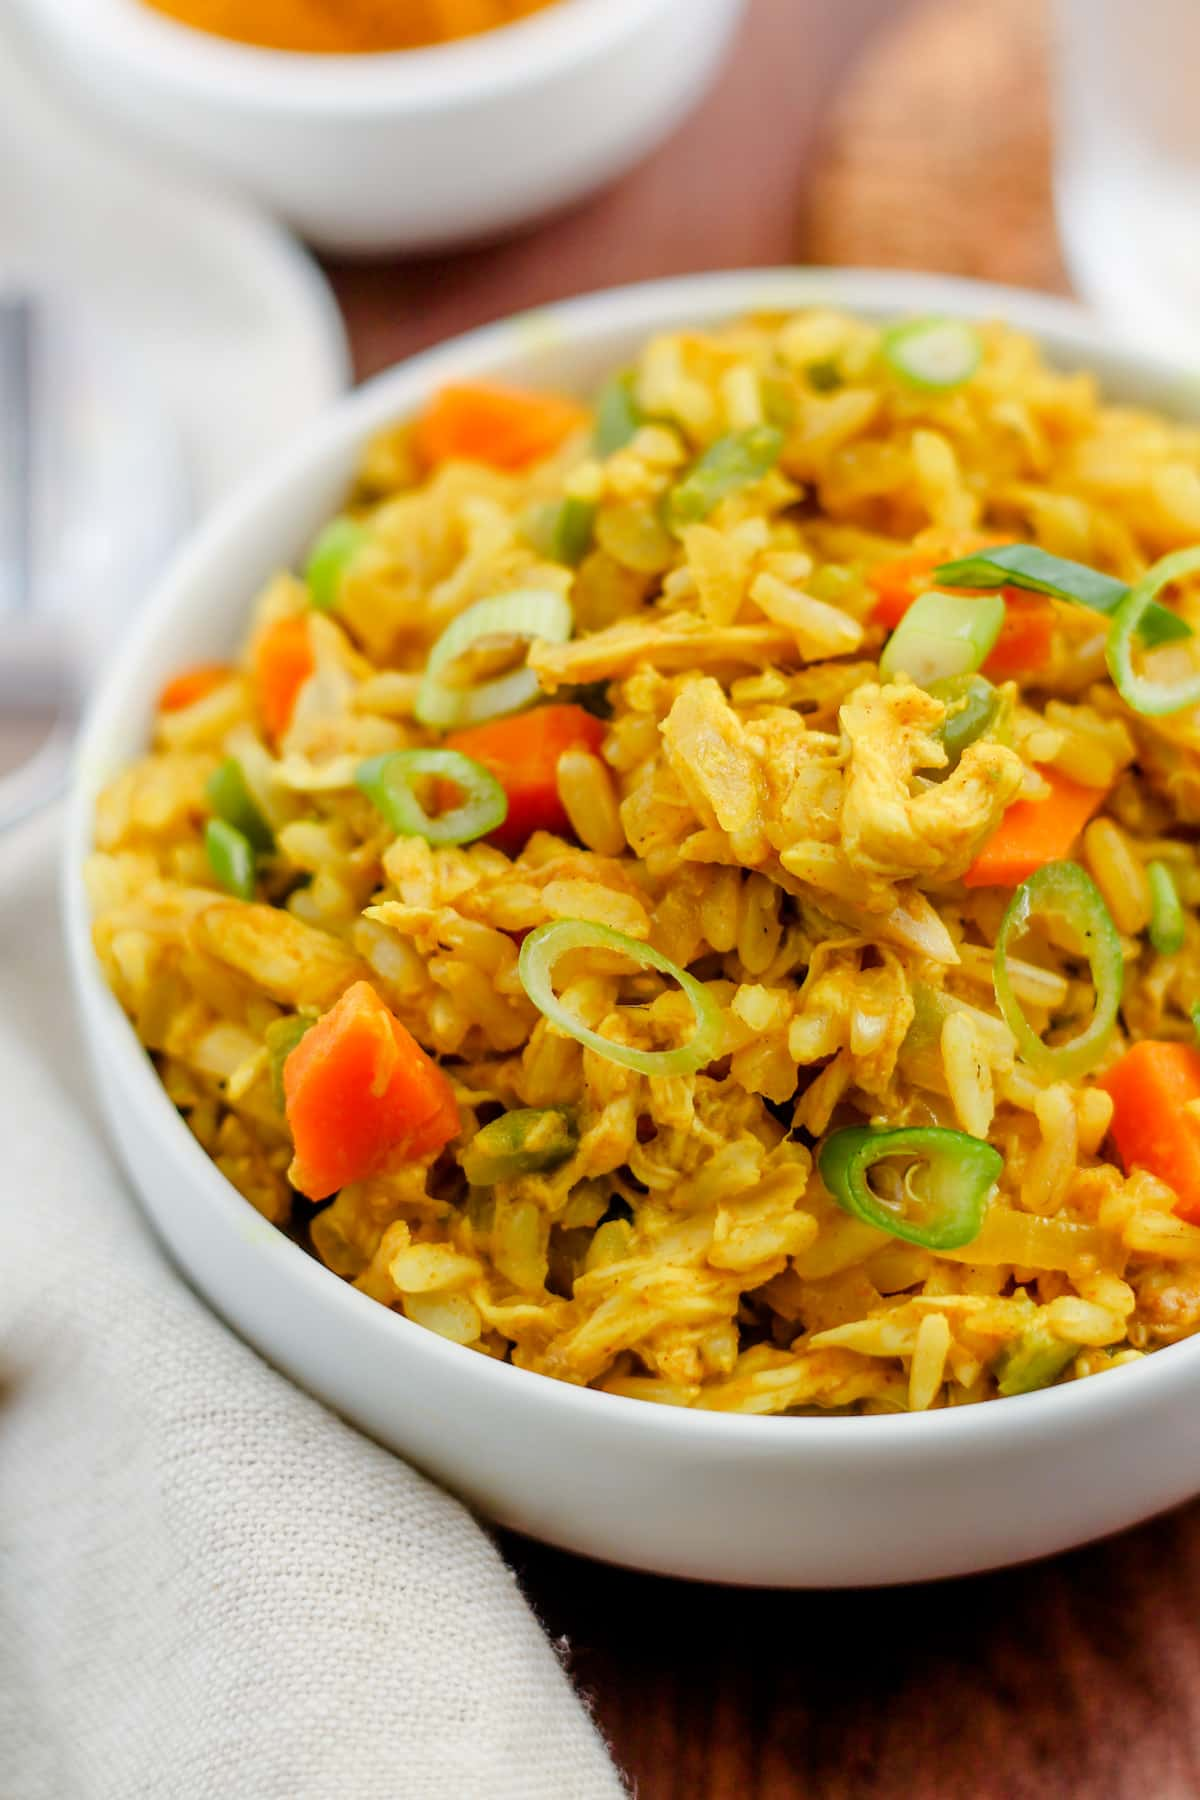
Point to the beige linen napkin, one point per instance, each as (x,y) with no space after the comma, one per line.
(209,1585)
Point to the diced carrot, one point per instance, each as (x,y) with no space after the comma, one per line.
(361,1095)
(480,421)
(522,753)
(283,662)
(1033,832)
(191,685)
(1026,637)
(1150,1088)
(897,583)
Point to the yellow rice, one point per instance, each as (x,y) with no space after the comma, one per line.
(756,816)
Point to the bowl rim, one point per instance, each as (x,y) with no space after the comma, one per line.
(1039,1419)
(490,66)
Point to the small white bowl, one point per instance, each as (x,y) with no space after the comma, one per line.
(784,1501)
(405,151)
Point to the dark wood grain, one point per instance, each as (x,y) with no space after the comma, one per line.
(1074,1679)
(854,131)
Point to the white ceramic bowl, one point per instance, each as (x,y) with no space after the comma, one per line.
(783,1501)
(411,150)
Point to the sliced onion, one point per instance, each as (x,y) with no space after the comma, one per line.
(540,953)
(534,614)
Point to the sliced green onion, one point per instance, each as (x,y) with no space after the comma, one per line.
(946,1212)
(541,951)
(1166,910)
(618,415)
(1194,1015)
(972,705)
(230,857)
(778,400)
(825,375)
(499,626)
(593,697)
(1025,566)
(836,583)
(943,635)
(519,1143)
(1066,891)
(388,782)
(931,1009)
(331,555)
(1036,1359)
(733,462)
(281,1038)
(1142,692)
(561,530)
(933,353)
(232,801)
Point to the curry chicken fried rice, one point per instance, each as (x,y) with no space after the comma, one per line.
(695,894)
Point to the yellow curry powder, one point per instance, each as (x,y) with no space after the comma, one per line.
(346,27)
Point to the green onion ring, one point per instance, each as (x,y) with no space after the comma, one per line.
(1035,571)
(618,417)
(230,857)
(735,461)
(972,708)
(387,781)
(329,559)
(532,613)
(934,354)
(560,530)
(542,950)
(1167,923)
(962,1172)
(1036,1359)
(523,1142)
(231,800)
(1141,692)
(942,635)
(281,1037)
(1063,888)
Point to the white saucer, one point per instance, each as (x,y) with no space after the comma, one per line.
(235,324)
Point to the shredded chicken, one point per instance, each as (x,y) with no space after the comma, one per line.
(888,828)
(708,749)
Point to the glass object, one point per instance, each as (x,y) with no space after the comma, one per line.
(1128,163)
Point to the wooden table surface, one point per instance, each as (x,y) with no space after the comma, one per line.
(879,133)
